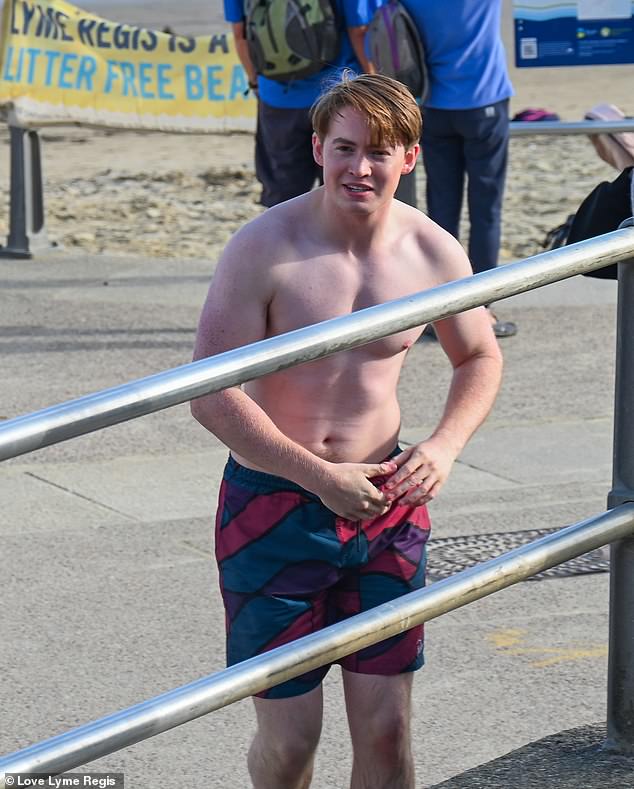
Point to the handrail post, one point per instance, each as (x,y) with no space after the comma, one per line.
(26,218)
(620,717)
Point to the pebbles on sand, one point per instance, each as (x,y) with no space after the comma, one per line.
(165,195)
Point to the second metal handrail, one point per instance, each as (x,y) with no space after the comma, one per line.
(213,692)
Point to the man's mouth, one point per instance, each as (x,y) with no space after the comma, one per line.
(358,188)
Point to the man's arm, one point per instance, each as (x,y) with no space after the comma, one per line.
(235,314)
(357,39)
(242,49)
(474,353)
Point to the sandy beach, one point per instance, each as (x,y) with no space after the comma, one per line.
(168,195)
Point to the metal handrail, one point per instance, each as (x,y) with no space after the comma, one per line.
(188,702)
(144,720)
(530,128)
(180,384)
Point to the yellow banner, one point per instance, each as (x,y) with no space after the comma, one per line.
(60,64)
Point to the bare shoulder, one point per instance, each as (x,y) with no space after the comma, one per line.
(439,252)
(260,243)
(252,245)
(442,259)
(244,283)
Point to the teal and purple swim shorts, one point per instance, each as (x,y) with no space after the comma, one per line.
(289,566)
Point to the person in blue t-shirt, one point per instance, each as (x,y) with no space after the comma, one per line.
(284,162)
(466,122)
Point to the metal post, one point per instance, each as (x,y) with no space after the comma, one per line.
(620,722)
(26,218)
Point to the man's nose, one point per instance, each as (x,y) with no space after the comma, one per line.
(360,165)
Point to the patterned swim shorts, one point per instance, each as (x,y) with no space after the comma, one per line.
(289,566)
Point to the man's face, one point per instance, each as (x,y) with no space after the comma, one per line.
(360,176)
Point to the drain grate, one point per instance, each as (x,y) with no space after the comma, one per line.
(450,555)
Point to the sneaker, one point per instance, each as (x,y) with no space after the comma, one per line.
(502,328)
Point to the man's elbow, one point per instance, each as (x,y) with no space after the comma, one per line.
(495,364)
(210,410)
(238,30)
(487,356)
(202,409)
(493,354)
(196,409)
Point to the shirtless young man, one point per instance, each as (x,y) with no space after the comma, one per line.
(321,515)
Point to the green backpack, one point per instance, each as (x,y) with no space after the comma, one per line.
(291,39)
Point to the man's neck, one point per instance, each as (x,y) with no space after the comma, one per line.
(354,231)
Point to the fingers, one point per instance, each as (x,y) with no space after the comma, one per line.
(379,469)
(367,511)
(402,458)
(420,495)
(361,500)
(367,508)
(415,490)
(407,463)
(362,497)
(373,500)
(416,482)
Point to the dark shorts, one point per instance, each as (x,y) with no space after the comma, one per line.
(289,566)
(284,162)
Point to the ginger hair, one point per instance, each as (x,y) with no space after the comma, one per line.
(391,111)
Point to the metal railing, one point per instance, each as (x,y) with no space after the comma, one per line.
(532,128)
(407,189)
(27,228)
(115,405)
(186,703)
(180,384)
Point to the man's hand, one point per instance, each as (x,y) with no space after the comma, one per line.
(348,492)
(422,471)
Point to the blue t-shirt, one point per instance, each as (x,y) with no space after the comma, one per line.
(464,52)
(303,92)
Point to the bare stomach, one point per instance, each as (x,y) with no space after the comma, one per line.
(328,427)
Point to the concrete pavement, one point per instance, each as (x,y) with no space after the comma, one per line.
(109,587)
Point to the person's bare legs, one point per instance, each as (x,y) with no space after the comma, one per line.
(283,750)
(379,711)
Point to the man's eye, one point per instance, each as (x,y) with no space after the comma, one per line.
(381,154)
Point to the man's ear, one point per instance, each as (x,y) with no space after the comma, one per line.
(318,150)
(410,159)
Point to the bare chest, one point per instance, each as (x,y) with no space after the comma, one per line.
(309,294)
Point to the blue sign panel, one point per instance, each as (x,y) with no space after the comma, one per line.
(573,33)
